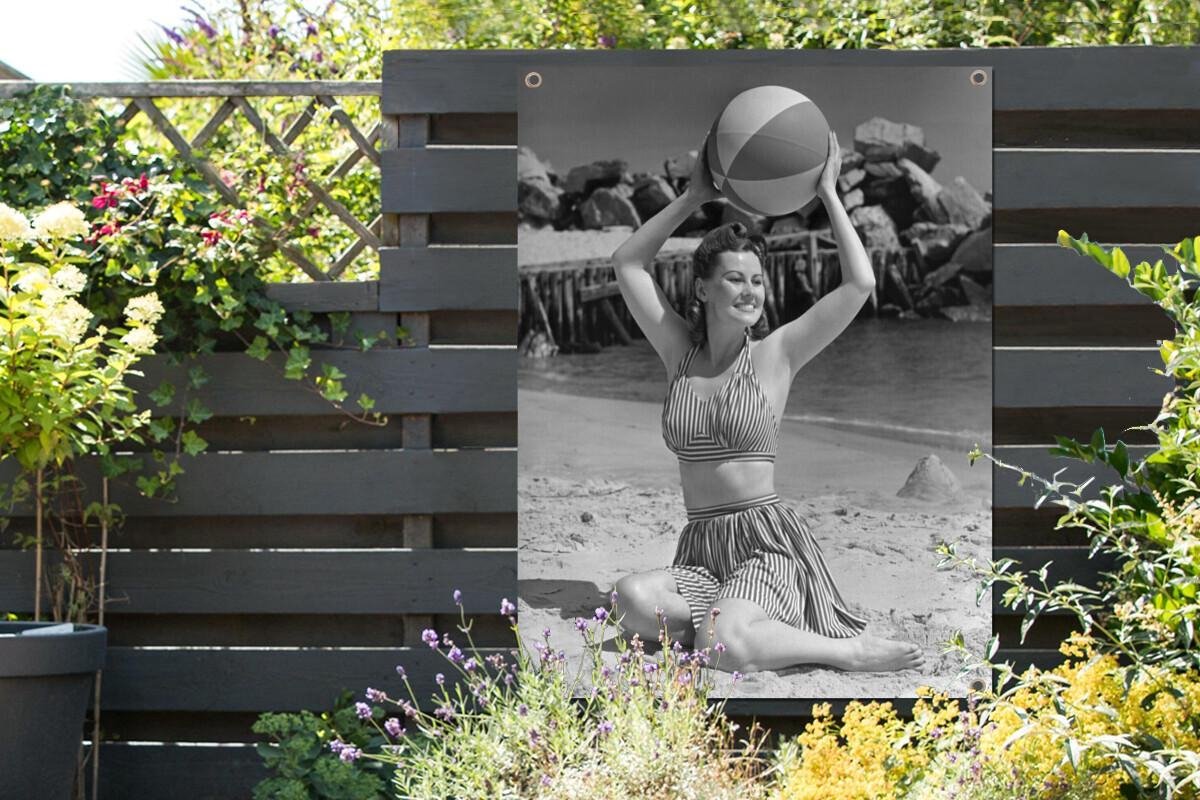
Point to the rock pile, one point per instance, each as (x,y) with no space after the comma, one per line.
(886,185)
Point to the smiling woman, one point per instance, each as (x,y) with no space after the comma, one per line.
(747,575)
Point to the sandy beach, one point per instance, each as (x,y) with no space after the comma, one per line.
(599,496)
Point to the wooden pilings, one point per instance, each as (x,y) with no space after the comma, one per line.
(578,304)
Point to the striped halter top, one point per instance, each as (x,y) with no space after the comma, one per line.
(735,424)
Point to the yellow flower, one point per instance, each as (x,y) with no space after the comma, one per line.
(13,225)
(60,221)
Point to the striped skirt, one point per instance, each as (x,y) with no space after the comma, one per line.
(763,551)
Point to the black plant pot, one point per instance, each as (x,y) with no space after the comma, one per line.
(45,682)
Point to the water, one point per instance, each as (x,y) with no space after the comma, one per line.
(916,380)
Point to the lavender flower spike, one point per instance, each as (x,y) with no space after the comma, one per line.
(507,608)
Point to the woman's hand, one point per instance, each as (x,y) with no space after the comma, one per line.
(827,183)
(700,182)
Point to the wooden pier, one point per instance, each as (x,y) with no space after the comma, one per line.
(578,305)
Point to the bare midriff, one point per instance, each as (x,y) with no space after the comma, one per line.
(711,483)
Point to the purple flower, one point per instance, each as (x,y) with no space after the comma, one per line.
(440,679)
(546,633)
(545,780)
(607,41)
(470,665)
(677,646)
(429,636)
(581,624)
(612,598)
(172,34)
(400,671)
(650,669)
(336,746)
(273,31)
(445,713)
(719,647)
(507,608)
(715,612)
(534,736)
(447,641)
(393,727)
(601,614)
(508,679)
(737,676)
(457,597)
(522,710)
(376,696)
(362,710)
(203,25)
(685,678)
(410,710)
(604,728)
(455,655)
(350,754)
(311,30)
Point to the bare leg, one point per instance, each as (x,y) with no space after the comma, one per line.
(754,642)
(641,595)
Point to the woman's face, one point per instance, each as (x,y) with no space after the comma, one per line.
(735,290)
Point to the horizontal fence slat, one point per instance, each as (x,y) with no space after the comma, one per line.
(1050,275)
(1078,378)
(1007,494)
(337,483)
(239,581)
(1125,180)
(477,129)
(327,296)
(417,82)
(438,278)
(1080,326)
(159,771)
(1141,225)
(1041,425)
(420,180)
(140,679)
(400,380)
(1172,128)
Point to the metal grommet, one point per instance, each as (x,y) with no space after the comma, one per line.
(533,80)
(977,685)
(978,77)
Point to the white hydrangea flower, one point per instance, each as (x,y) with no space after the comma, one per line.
(53,296)
(32,279)
(13,225)
(775,41)
(70,279)
(60,221)
(141,339)
(69,321)
(144,310)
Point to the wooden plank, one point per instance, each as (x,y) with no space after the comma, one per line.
(1172,128)
(473,327)
(1080,326)
(1007,494)
(399,380)
(1133,77)
(1096,180)
(475,430)
(1077,378)
(156,771)
(1041,425)
(421,180)
(280,582)
(473,129)
(1147,225)
(328,296)
(441,278)
(336,483)
(1025,526)
(219,679)
(1049,275)
(495,228)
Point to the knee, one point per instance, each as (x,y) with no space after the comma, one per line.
(636,599)
(729,646)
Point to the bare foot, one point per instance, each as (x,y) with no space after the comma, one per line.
(873,654)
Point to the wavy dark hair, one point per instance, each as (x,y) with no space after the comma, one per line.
(733,237)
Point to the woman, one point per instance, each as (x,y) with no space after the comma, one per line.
(747,573)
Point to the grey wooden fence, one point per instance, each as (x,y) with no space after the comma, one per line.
(306,555)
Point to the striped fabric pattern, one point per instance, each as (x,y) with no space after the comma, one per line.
(735,424)
(760,550)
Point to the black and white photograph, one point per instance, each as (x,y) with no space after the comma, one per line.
(755,353)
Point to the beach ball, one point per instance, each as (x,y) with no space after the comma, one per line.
(767,149)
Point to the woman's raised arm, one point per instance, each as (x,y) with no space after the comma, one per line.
(666,331)
(809,334)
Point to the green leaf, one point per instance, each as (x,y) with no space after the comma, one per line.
(258,348)
(192,444)
(163,394)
